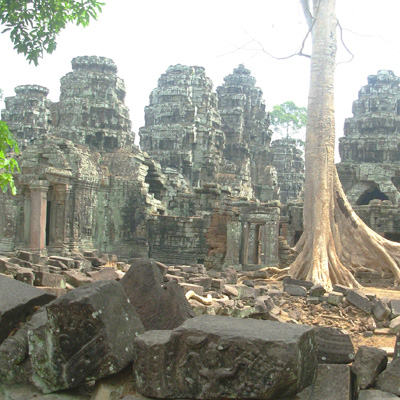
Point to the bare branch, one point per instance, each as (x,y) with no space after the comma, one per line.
(344,45)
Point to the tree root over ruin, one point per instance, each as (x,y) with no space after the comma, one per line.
(330,256)
(204,300)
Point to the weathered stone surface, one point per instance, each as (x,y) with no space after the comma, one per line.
(389,379)
(298,282)
(380,310)
(395,308)
(333,382)
(77,279)
(105,274)
(395,326)
(368,363)
(360,300)
(333,346)
(221,357)
(317,290)
(51,280)
(295,290)
(89,334)
(14,367)
(374,394)
(17,301)
(340,288)
(160,305)
(334,298)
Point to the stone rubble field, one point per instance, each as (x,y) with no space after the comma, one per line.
(92,327)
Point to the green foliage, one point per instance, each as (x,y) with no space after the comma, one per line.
(288,119)
(7,164)
(35,24)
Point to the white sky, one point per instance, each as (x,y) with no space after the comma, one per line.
(145,37)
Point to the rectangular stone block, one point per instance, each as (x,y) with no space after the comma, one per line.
(17,300)
(359,300)
(224,357)
(50,280)
(290,281)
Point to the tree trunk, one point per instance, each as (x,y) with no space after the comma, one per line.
(335,241)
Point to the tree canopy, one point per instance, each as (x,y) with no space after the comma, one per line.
(34,24)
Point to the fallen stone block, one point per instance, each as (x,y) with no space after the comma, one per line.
(21,263)
(204,281)
(359,300)
(50,280)
(69,262)
(395,308)
(17,301)
(335,298)
(224,357)
(230,275)
(317,290)
(230,291)
(25,275)
(380,310)
(389,379)
(14,365)
(333,346)
(58,264)
(295,290)
(160,305)
(89,334)
(395,326)
(189,286)
(341,288)
(333,382)
(77,279)
(374,394)
(105,274)
(368,363)
(245,292)
(288,280)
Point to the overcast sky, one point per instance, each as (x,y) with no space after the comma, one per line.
(145,37)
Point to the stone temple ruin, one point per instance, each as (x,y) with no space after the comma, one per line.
(202,189)
(208,194)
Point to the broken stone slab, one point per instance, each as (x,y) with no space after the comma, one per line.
(160,305)
(25,275)
(395,308)
(368,363)
(380,310)
(389,379)
(230,275)
(335,298)
(69,262)
(204,281)
(333,346)
(105,274)
(317,290)
(374,394)
(77,279)
(245,292)
(89,334)
(58,264)
(17,301)
(288,280)
(333,382)
(196,288)
(225,357)
(359,300)
(395,326)
(341,288)
(14,366)
(21,263)
(50,280)
(230,291)
(295,290)
(96,261)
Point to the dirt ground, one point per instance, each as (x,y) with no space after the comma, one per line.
(362,327)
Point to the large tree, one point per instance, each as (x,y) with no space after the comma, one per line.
(335,242)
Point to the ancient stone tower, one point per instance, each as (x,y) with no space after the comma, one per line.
(247,151)
(182,125)
(370,149)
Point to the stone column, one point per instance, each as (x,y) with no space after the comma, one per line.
(245,243)
(38,215)
(59,217)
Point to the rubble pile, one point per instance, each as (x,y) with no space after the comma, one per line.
(175,324)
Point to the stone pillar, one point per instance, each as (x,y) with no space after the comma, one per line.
(233,231)
(245,243)
(58,222)
(38,215)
